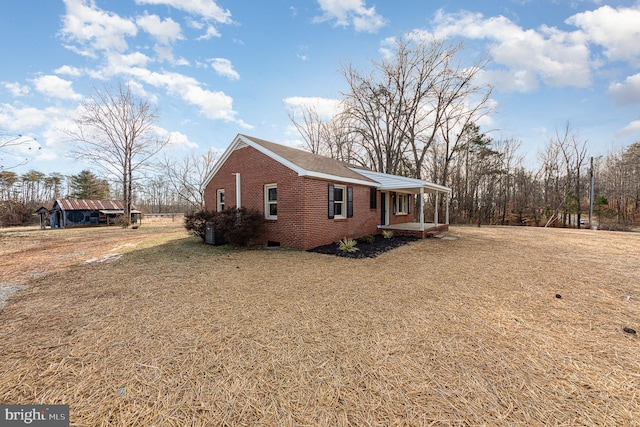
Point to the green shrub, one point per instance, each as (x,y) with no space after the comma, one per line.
(241,227)
(387,234)
(238,227)
(195,222)
(348,245)
(369,238)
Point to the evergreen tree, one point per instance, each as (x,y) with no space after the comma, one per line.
(86,185)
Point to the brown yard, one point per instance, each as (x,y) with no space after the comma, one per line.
(150,327)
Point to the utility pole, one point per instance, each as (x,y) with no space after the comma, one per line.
(591,195)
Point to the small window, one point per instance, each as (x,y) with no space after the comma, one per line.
(271,201)
(339,201)
(402,204)
(220,200)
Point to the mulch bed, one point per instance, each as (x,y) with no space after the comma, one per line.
(379,246)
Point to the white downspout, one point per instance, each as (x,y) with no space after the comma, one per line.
(238,200)
(421,208)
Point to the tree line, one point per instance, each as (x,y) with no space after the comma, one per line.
(177,190)
(416,112)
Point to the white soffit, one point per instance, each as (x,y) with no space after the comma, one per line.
(396,182)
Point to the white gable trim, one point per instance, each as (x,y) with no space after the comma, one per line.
(382,181)
(241,140)
(216,167)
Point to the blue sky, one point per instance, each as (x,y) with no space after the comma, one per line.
(216,68)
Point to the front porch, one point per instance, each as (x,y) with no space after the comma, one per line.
(413,229)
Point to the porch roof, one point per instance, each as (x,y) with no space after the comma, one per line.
(316,166)
(402,183)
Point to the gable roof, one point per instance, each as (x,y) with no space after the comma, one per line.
(300,161)
(317,166)
(89,205)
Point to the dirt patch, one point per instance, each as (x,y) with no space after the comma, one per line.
(436,332)
(31,252)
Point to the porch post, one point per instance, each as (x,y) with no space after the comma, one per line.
(448,202)
(435,213)
(421,204)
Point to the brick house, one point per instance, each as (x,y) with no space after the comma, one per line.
(310,200)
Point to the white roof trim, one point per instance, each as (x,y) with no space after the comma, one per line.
(383,181)
(329,177)
(222,159)
(395,182)
(240,139)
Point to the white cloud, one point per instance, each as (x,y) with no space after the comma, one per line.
(631,130)
(94,29)
(164,31)
(118,63)
(55,87)
(347,12)
(176,139)
(214,105)
(207,9)
(325,107)
(224,68)
(211,32)
(138,89)
(616,30)
(48,122)
(556,57)
(627,92)
(68,70)
(16,89)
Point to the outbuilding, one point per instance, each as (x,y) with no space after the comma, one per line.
(81,212)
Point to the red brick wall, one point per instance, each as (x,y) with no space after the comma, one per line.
(320,230)
(302,202)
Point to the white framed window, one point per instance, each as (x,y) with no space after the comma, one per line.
(339,201)
(271,201)
(220,200)
(402,204)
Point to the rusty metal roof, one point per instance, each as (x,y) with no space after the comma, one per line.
(89,205)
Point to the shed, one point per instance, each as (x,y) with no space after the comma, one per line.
(83,212)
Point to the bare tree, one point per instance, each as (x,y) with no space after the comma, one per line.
(310,127)
(10,150)
(574,155)
(117,133)
(186,177)
(420,94)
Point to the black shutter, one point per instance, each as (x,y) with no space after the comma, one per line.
(331,197)
(373,204)
(393,200)
(409,202)
(349,202)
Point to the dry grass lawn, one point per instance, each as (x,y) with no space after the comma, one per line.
(438,332)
